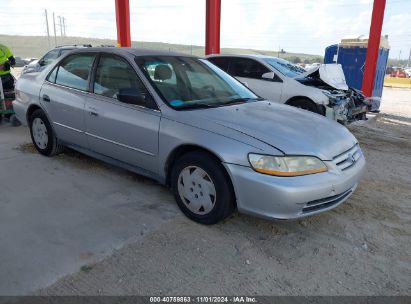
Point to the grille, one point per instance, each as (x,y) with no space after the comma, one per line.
(325,202)
(348,158)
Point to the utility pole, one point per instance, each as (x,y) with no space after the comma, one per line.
(47,27)
(64,27)
(55,36)
(409,59)
(61,26)
(279,49)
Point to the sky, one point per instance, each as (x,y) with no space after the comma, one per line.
(301,26)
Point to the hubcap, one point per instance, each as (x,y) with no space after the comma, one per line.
(196,190)
(40,134)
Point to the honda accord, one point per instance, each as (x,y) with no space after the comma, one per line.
(184,122)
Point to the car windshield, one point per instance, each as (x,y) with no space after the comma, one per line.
(284,67)
(188,82)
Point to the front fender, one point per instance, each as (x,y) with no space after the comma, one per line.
(293,88)
(173,135)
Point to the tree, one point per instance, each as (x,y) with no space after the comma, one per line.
(295,59)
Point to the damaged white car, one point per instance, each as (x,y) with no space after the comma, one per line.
(322,90)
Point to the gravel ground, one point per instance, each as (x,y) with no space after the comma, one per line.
(360,248)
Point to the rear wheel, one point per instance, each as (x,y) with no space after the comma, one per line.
(14,121)
(305,104)
(202,188)
(42,134)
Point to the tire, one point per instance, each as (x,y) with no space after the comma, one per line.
(202,188)
(42,134)
(305,104)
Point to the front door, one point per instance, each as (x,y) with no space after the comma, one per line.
(250,72)
(124,131)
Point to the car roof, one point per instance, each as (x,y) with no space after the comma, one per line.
(73,46)
(242,55)
(133,51)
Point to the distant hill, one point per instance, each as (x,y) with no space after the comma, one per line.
(36,46)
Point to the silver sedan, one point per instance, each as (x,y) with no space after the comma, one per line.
(187,124)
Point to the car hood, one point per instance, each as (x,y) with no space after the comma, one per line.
(290,130)
(331,74)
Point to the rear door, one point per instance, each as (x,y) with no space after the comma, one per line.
(250,71)
(123,131)
(63,96)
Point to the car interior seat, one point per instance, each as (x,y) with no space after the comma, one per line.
(163,72)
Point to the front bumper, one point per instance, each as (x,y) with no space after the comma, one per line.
(345,113)
(275,197)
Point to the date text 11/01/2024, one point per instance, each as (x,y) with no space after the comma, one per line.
(201,299)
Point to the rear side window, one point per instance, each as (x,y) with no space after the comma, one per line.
(75,70)
(114,74)
(248,68)
(52,75)
(221,62)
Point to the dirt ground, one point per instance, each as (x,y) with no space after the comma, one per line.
(360,248)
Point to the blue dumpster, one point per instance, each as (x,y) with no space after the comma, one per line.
(351,53)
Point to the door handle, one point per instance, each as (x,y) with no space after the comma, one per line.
(46,98)
(93,112)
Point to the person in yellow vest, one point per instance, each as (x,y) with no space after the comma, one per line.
(7,60)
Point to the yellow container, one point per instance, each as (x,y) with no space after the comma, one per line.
(397,82)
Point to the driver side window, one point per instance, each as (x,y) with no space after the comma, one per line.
(247,68)
(114,75)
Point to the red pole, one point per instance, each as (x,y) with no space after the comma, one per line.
(123,23)
(373,47)
(213,16)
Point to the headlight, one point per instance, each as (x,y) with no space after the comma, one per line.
(286,165)
(327,93)
(330,96)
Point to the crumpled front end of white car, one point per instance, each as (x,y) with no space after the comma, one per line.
(345,106)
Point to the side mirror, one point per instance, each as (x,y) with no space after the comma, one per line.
(132,96)
(268,76)
(271,76)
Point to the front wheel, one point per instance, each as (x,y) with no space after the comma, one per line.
(42,134)
(305,104)
(202,188)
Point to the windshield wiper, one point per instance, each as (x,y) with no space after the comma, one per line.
(197,105)
(241,100)
(202,105)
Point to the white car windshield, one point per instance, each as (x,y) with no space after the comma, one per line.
(284,67)
(188,82)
